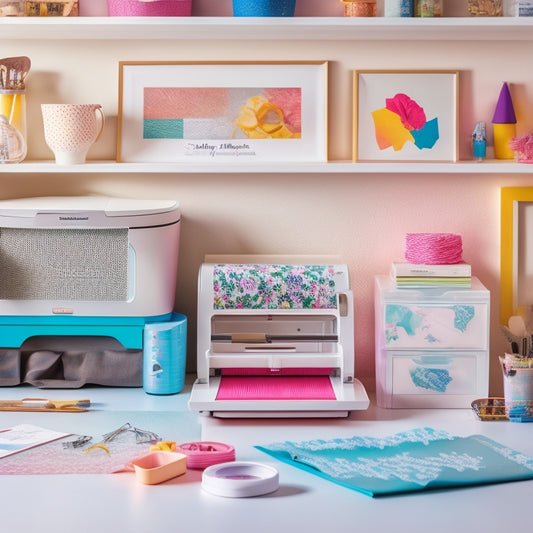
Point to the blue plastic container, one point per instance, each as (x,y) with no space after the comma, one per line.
(164,355)
(263,8)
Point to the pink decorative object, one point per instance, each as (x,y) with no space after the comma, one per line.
(149,8)
(202,454)
(411,114)
(433,248)
(524,146)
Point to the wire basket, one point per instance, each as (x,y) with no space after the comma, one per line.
(149,8)
(38,8)
(490,408)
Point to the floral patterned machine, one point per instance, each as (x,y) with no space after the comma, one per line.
(275,340)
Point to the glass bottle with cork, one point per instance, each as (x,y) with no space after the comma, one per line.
(13,72)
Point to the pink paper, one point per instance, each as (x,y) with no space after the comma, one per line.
(275,388)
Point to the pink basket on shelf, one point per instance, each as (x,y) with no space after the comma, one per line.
(149,8)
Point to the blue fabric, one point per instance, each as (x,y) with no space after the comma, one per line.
(415,460)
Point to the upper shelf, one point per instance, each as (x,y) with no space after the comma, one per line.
(249,28)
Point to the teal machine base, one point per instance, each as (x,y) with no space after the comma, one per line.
(15,330)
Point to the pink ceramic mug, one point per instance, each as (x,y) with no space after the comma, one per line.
(71,129)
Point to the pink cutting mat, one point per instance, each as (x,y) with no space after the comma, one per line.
(275,388)
(53,458)
(247,371)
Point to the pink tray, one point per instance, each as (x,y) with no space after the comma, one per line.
(275,388)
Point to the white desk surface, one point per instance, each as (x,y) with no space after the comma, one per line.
(304,502)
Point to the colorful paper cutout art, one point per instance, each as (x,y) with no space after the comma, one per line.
(404,120)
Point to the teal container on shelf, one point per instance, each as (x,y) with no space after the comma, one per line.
(164,355)
(263,8)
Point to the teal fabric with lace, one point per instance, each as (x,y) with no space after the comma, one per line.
(415,460)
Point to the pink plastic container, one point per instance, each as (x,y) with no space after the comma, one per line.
(158,466)
(149,8)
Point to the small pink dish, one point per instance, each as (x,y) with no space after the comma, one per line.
(157,467)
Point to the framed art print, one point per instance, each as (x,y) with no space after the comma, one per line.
(516,269)
(235,111)
(405,115)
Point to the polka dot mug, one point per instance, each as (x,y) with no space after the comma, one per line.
(71,129)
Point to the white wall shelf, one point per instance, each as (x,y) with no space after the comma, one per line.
(295,28)
(245,28)
(333,167)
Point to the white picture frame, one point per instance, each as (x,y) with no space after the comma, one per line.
(161,106)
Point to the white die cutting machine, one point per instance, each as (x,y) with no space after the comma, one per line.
(275,340)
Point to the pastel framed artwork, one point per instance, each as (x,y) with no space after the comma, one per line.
(405,115)
(516,259)
(218,111)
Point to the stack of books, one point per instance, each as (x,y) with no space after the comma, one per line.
(408,275)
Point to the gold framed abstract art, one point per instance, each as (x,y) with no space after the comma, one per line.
(405,115)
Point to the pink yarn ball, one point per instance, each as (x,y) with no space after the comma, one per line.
(433,248)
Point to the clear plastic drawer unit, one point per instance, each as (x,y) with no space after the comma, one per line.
(432,345)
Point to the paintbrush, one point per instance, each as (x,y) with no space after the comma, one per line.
(42,404)
(510,336)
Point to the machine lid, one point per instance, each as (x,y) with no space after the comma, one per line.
(112,207)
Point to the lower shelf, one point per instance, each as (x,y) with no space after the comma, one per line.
(283,167)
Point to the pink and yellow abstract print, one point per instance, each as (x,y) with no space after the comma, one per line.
(197,113)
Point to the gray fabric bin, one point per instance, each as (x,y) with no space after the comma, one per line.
(50,369)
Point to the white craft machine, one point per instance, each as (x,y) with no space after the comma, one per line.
(88,265)
(275,340)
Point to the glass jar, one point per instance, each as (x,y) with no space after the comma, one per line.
(13,72)
(359,8)
(13,107)
(12,144)
(398,8)
(428,8)
(485,8)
